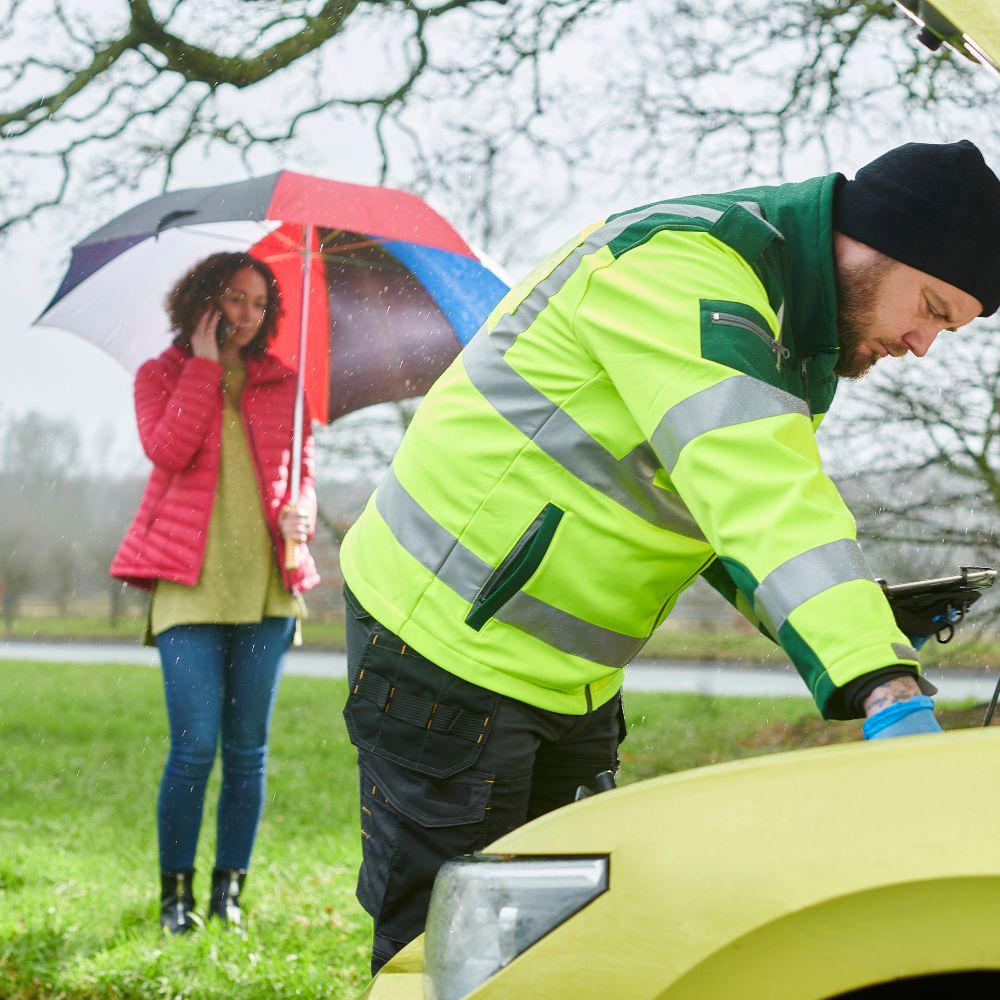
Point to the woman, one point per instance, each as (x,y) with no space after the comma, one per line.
(215,417)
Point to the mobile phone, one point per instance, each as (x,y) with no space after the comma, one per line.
(222,331)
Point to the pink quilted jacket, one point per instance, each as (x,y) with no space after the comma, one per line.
(178,405)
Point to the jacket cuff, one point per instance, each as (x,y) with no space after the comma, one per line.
(850,699)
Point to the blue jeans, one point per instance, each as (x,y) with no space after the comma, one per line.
(217,677)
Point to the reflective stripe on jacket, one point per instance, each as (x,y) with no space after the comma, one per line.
(638,411)
(178,402)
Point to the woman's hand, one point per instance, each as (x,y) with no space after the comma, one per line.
(203,342)
(293,523)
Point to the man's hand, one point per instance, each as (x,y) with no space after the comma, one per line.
(897,708)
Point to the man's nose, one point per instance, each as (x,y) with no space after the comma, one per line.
(919,341)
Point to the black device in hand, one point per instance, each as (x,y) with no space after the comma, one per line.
(222,331)
(933,607)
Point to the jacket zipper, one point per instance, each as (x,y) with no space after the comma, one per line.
(780,352)
(805,385)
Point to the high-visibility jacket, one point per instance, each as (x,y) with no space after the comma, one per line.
(639,411)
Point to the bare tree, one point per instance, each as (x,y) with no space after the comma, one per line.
(98,97)
(38,463)
(38,452)
(658,96)
(467,98)
(356,449)
(918,446)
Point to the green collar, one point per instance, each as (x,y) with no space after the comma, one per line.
(785,233)
(800,269)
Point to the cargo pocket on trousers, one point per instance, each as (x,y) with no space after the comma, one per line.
(396,803)
(419,731)
(405,709)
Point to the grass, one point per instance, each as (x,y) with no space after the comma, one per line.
(82,752)
(83,748)
(666,644)
(74,627)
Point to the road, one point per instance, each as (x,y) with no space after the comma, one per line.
(729,679)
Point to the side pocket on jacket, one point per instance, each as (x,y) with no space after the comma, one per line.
(517,568)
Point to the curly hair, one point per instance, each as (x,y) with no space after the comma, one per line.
(201,289)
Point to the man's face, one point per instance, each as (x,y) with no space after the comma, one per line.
(886,308)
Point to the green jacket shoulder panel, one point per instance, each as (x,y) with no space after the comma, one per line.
(740,225)
(785,233)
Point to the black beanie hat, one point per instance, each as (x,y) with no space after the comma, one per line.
(933,206)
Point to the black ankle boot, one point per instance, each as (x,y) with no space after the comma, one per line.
(227,884)
(177,914)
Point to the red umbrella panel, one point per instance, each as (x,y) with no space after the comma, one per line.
(374,332)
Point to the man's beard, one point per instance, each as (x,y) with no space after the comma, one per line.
(857,292)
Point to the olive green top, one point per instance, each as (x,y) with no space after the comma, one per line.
(240,582)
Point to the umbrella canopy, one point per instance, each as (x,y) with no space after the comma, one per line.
(394,291)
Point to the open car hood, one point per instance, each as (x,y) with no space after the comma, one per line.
(970,27)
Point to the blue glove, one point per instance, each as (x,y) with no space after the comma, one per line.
(903,718)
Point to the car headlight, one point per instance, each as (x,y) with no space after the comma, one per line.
(485,910)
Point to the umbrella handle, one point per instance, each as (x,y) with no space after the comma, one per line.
(291,554)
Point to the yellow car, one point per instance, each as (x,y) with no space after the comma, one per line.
(800,876)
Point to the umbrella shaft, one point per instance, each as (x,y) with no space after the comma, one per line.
(300,379)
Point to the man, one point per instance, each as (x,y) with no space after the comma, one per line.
(636,413)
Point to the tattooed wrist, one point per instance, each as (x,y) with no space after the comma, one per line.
(897,689)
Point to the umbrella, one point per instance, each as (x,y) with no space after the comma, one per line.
(379,291)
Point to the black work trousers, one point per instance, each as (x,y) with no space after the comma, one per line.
(446,767)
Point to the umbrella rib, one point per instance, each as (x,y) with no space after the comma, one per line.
(217,236)
(370,242)
(366,242)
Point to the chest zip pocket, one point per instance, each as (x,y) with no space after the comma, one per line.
(515,571)
(780,352)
